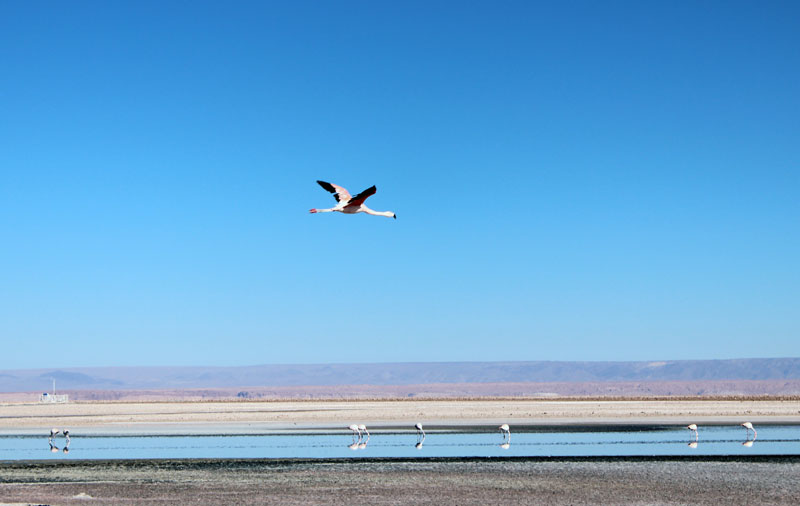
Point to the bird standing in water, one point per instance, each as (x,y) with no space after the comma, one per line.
(506,432)
(363,428)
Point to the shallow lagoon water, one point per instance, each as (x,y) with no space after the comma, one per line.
(713,440)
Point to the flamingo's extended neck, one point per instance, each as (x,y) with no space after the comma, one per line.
(388,214)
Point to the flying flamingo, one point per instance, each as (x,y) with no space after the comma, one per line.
(351,205)
(355,430)
(693,427)
(507,431)
(748,427)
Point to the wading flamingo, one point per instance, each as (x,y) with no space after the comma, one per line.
(351,205)
(748,427)
(693,427)
(363,428)
(420,432)
(355,430)
(506,431)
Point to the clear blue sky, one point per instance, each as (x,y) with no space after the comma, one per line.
(572,180)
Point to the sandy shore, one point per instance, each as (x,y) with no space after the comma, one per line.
(255,416)
(713,481)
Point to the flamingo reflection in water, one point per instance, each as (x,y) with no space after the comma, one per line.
(358,445)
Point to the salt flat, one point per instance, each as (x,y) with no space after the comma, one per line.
(250,416)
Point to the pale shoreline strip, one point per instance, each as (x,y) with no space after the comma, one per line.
(261,417)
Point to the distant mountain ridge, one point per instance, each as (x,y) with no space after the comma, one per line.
(403,373)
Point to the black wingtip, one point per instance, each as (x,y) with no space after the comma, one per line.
(327,186)
(394,216)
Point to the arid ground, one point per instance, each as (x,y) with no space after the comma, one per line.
(714,481)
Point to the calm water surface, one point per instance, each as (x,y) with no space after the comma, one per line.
(713,440)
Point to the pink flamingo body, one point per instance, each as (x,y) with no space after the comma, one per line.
(348,204)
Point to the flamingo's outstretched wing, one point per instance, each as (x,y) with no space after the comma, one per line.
(339,193)
(361,197)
